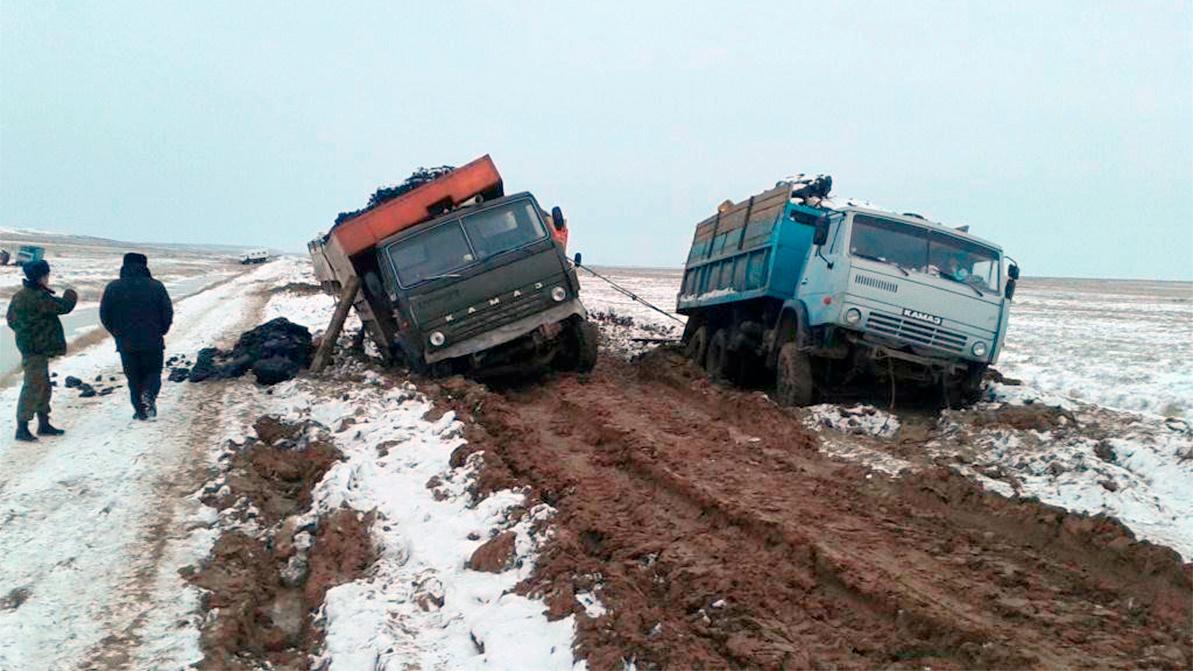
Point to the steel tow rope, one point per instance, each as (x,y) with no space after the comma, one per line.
(631,294)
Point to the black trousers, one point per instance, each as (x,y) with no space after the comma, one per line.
(144,372)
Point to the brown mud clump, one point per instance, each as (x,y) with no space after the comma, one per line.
(495,555)
(717,535)
(261,589)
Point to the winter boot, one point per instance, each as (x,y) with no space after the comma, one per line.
(23,432)
(44,428)
(149,403)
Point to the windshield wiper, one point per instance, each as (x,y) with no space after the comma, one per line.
(954,279)
(881,260)
(440,277)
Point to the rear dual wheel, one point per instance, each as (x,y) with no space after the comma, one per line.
(697,346)
(719,361)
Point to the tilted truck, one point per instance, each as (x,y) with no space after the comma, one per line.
(457,277)
(815,295)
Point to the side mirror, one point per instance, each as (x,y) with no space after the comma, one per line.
(821,235)
(1013,272)
(557,218)
(1010,291)
(576,258)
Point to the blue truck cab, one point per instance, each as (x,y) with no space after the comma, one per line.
(817,294)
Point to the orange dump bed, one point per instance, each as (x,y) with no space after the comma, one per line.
(366,230)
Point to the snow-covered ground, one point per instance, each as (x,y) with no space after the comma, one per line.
(96,525)
(87,264)
(93,524)
(1118,343)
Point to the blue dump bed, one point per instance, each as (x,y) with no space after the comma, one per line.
(753,249)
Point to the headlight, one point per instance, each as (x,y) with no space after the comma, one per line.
(437,339)
(978,349)
(853,316)
(559,293)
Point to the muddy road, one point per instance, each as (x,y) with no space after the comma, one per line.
(717,535)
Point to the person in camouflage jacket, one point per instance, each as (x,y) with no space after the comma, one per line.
(33,315)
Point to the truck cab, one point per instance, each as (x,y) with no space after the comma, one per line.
(486,285)
(839,293)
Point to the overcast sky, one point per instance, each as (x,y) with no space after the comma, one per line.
(1062,130)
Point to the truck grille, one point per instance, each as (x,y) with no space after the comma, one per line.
(915,332)
(487,316)
(867,281)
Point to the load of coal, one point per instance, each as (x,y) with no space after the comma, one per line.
(274,351)
(385,194)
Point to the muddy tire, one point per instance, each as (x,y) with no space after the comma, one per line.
(966,389)
(718,361)
(794,385)
(580,349)
(587,337)
(697,346)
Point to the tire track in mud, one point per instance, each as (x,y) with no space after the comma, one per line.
(717,535)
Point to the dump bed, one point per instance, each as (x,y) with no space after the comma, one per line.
(343,252)
(745,251)
(417,205)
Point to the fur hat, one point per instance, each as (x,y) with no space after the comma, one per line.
(36,270)
(135,259)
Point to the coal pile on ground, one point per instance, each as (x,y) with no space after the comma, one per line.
(275,351)
(86,390)
(385,194)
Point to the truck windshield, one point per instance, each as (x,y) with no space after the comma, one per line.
(446,248)
(918,249)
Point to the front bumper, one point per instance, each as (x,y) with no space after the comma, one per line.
(884,326)
(507,333)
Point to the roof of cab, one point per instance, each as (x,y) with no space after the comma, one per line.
(869,208)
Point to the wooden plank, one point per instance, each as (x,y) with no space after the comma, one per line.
(323,354)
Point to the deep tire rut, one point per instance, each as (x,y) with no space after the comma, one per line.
(718,535)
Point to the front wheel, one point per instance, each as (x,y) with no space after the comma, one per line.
(793,377)
(580,348)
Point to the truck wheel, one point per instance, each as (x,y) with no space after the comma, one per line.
(793,377)
(719,361)
(587,337)
(579,350)
(697,346)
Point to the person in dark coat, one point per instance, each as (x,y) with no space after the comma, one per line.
(33,315)
(136,310)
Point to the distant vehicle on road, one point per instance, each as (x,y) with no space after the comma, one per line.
(255,256)
(792,287)
(4,256)
(29,254)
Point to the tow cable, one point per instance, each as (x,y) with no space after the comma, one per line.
(629,294)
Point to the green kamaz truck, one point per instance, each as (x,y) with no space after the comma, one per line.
(457,277)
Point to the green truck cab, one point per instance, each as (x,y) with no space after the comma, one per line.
(482,286)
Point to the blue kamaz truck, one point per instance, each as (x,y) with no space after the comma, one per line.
(815,295)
